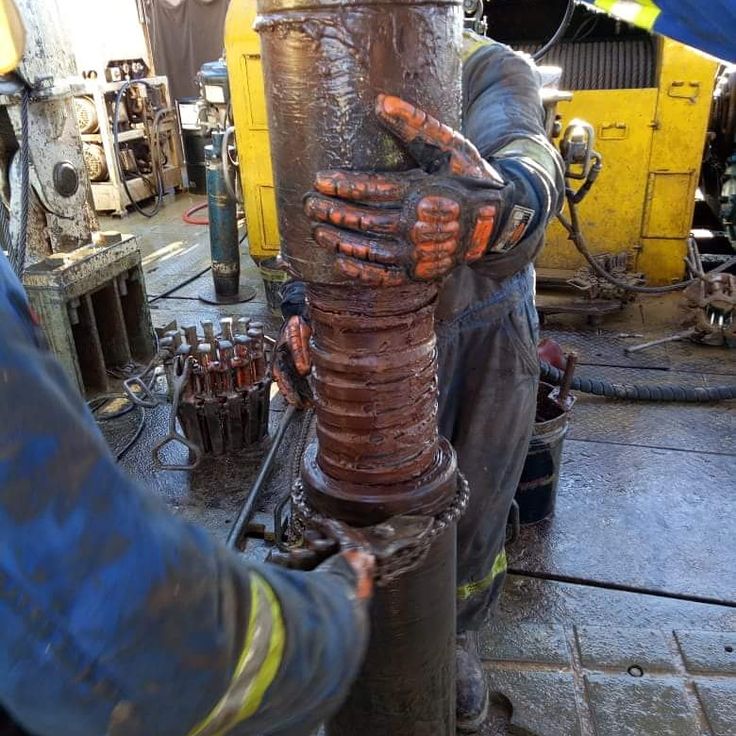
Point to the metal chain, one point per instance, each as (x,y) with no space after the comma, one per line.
(389,568)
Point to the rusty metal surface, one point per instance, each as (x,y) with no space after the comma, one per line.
(378,452)
(224,404)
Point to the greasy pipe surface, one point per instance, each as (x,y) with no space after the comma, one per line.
(325,62)
(377,452)
(373,349)
(407,684)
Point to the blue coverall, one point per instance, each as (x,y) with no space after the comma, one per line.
(710,26)
(118,618)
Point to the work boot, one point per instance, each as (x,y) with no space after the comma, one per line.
(472,688)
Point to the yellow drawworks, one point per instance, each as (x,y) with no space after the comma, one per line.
(651,140)
(248,95)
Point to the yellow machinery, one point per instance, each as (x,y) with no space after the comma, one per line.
(651,139)
(12,37)
(243,50)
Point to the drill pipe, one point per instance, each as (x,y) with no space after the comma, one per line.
(377,452)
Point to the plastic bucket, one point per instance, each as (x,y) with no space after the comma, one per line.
(537,490)
(273,278)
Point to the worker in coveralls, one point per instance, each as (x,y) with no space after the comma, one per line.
(497,186)
(117,617)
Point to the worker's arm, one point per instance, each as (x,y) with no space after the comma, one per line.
(118,618)
(504,118)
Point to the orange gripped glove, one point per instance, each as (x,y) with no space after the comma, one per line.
(391,228)
(292,363)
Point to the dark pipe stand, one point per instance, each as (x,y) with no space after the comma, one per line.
(224,247)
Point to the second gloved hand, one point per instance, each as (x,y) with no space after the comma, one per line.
(388,229)
(292,363)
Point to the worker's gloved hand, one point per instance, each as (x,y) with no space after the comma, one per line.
(388,229)
(292,363)
(353,549)
(551,352)
(362,567)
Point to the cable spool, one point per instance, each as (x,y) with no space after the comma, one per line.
(94,159)
(611,64)
(87,120)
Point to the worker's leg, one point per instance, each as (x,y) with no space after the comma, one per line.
(488,385)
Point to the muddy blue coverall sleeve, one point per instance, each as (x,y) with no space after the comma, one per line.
(504,117)
(117,617)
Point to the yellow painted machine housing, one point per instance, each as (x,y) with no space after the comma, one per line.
(243,54)
(652,144)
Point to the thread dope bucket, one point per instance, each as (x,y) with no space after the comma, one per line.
(537,490)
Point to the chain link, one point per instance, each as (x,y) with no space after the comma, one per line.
(410,556)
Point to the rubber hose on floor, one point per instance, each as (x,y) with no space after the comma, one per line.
(190,219)
(638,392)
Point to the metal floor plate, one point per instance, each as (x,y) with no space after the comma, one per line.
(642,517)
(192,311)
(558,660)
(708,428)
(606,348)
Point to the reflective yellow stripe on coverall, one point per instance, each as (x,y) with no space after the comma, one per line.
(257,667)
(468,590)
(643,13)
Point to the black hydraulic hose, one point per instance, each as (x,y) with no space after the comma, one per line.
(116,140)
(638,392)
(559,33)
(578,239)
